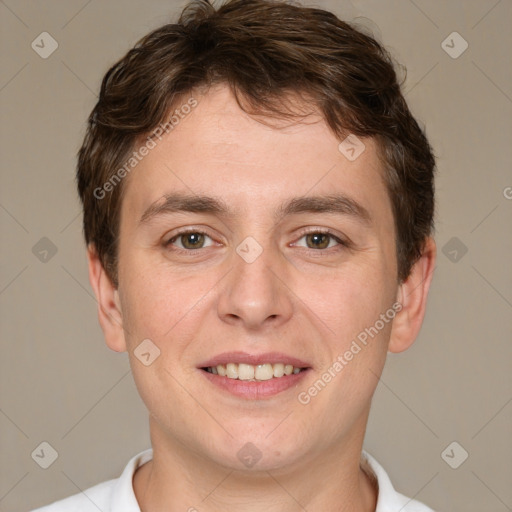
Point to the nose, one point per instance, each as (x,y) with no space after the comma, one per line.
(255,294)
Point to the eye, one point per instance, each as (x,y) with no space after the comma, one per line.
(320,240)
(190,240)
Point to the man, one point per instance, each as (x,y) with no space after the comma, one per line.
(258,206)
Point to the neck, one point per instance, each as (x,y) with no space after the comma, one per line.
(180,480)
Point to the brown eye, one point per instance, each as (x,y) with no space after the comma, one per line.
(318,240)
(190,240)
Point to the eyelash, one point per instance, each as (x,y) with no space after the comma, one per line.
(188,252)
(316,252)
(324,252)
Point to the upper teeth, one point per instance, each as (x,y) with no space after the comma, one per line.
(245,371)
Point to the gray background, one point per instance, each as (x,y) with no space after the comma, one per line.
(59,382)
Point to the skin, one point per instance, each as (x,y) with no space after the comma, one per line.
(294,298)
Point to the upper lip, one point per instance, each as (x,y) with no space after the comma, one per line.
(253,359)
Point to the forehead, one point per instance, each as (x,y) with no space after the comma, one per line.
(214,148)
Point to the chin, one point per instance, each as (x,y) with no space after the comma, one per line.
(252,451)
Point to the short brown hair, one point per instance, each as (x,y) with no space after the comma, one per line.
(264,50)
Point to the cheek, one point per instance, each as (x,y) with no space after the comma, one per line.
(159,307)
(147,291)
(362,316)
(163,304)
(349,300)
(347,380)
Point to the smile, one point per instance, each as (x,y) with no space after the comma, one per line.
(253,373)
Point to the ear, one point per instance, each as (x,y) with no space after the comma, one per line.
(109,307)
(412,295)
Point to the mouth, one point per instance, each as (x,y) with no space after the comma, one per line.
(254,376)
(253,373)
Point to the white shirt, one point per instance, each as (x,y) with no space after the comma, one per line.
(118,496)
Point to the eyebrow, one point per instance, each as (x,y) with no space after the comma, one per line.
(334,204)
(177,202)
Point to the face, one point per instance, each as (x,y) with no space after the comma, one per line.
(250,249)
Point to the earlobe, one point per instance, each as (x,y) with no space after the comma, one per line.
(412,295)
(109,306)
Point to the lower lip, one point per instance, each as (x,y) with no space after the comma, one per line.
(254,390)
